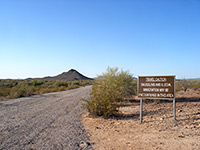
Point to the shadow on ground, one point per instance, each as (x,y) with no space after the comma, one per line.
(161,111)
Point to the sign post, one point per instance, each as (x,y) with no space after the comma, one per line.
(156,87)
(140,110)
(174,108)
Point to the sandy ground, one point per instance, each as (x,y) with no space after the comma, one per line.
(158,130)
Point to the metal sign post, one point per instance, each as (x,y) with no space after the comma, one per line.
(140,110)
(174,108)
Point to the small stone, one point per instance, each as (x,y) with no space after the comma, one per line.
(161,118)
(98,128)
(83,144)
(181,136)
(180,110)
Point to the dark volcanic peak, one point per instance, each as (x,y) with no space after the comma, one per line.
(70,76)
(72,70)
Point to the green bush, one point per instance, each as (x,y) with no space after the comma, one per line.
(4,92)
(107,90)
(21,90)
(35,82)
(61,83)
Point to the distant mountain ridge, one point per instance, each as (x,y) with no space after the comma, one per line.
(71,75)
(193,79)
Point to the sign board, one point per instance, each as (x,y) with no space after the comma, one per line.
(160,87)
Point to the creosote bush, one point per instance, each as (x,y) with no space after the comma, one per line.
(108,89)
(21,90)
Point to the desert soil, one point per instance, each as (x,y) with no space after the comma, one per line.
(48,121)
(158,130)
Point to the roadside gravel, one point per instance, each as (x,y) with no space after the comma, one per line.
(48,121)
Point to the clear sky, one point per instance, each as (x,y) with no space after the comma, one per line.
(147,37)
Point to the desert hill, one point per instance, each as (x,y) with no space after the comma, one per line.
(69,76)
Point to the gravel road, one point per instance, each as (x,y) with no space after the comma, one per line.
(48,121)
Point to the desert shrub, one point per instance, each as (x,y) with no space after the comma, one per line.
(8,83)
(107,90)
(183,85)
(4,91)
(178,85)
(76,83)
(72,86)
(187,84)
(85,82)
(43,90)
(21,90)
(195,84)
(61,83)
(35,82)
(62,88)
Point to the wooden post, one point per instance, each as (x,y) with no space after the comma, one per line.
(174,108)
(140,110)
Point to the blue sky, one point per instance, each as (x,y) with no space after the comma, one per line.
(147,37)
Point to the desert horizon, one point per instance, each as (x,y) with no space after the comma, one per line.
(99,75)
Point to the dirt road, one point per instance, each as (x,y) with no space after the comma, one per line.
(48,121)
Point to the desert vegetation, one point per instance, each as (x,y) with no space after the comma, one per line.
(21,88)
(108,89)
(187,84)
